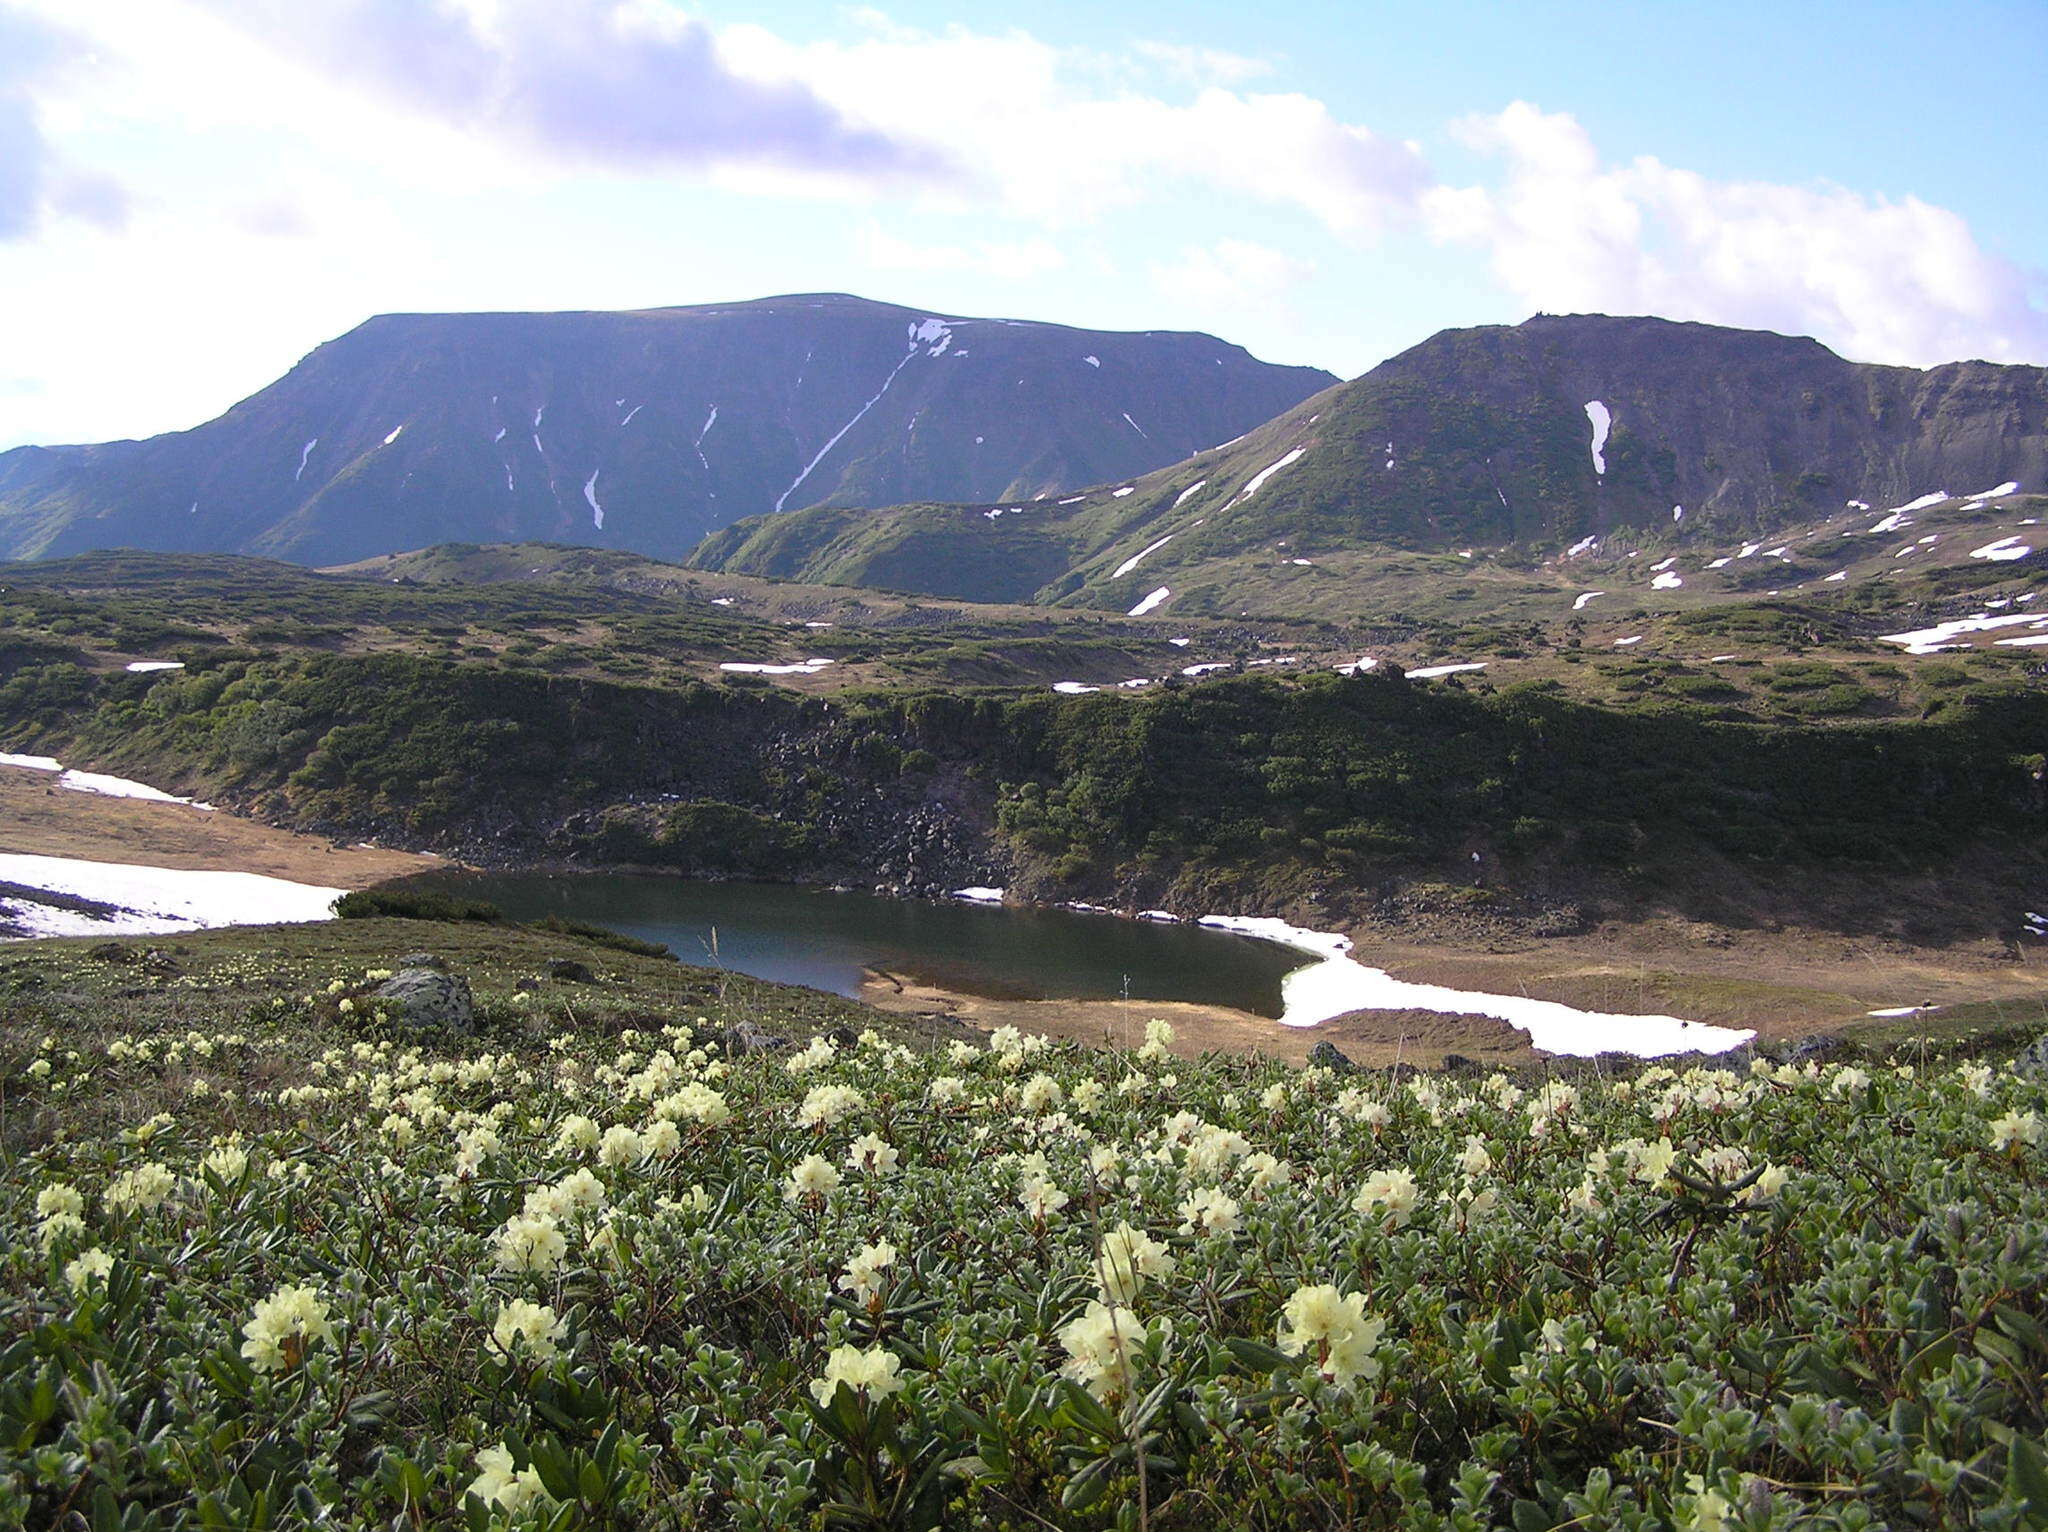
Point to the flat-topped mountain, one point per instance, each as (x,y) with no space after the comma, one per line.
(642,430)
(1535,436)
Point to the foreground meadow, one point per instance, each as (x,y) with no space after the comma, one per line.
(300,1271)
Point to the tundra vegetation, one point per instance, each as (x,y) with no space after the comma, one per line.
(268,1260)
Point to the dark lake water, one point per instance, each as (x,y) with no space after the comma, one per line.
(824,939)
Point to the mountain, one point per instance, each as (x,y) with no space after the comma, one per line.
(641,430)
(1532,438)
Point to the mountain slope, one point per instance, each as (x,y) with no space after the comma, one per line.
(641,430)
(1477,439)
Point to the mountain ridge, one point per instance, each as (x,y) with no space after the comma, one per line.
(1480,438)
(640,428)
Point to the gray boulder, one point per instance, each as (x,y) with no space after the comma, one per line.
(429,1000)
(1328,1055)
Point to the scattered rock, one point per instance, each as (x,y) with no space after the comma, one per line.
(1820,1046)
(113,952)
(2031,1062)
(749,1037)
(843,1036)
(423,960)
(527,984)
(570,971)
(1327,1055)
(430,999)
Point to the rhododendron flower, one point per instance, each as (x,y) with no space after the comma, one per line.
(1040,1095)
(57,1197)
(145,1187)
(1208,1210)
(873,1373)
(863,1276)
(531,1330)
(1394,1190)
(812,1176)
(1100,1346)
(83,1270)
(872,1153)
(826,1104)
(283,1326)
(531,1242)
(1332,1327)
(1127,1257)
(2015,1129)
(619,1146)
(577,1135)
(1158,1039)
(510,1490)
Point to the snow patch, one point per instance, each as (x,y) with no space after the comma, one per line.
(155,900)
(1660,568)
(1623,643)
(1719,563)
(393,436)
(1182,498)
(1584,597)
(1257,480)
(1585,544)
(1073,688)
(304,453)
(590,494)
(636,409)
(31,762)
(1602,420)
(1336,983)
(1933,640)
(1139,557)
(1206,669)
(979,895)
(2004,551)
(1128,489)
(802,668)
(143,667)
(783,498)
(1092,361)
(1835,578)
(1666,582)
(2009,487)
(1678,513)
(1359,666)
(1150,602)
(1134,425)
(1430,672)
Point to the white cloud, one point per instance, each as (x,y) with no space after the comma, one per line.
(1014,260)
(1230,274)
(1202,66)
(1036,138)
(1877,279)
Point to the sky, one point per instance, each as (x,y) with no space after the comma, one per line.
(195,193)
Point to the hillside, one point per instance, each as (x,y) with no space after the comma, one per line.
(641,430)
(1504,444)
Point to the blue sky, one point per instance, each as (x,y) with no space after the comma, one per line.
(193,193)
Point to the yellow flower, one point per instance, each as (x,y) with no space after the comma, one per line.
(511,1490)
(284,1324)
(872,1373)
(528,1329)
(1395,1190)
(813,1176)
(863,1276)
(2015,1129)
(1100,1346)
(531,1242)
(1128,1256)
(92,1266)
(1334,1326)
(871,1153)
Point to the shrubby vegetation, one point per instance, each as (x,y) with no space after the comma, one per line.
(301,1271)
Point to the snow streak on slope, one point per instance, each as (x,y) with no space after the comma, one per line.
(1598,414)
(1139,557)
(590,494)
(783,498)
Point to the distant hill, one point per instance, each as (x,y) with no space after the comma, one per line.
(1533,437)
(642,430)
